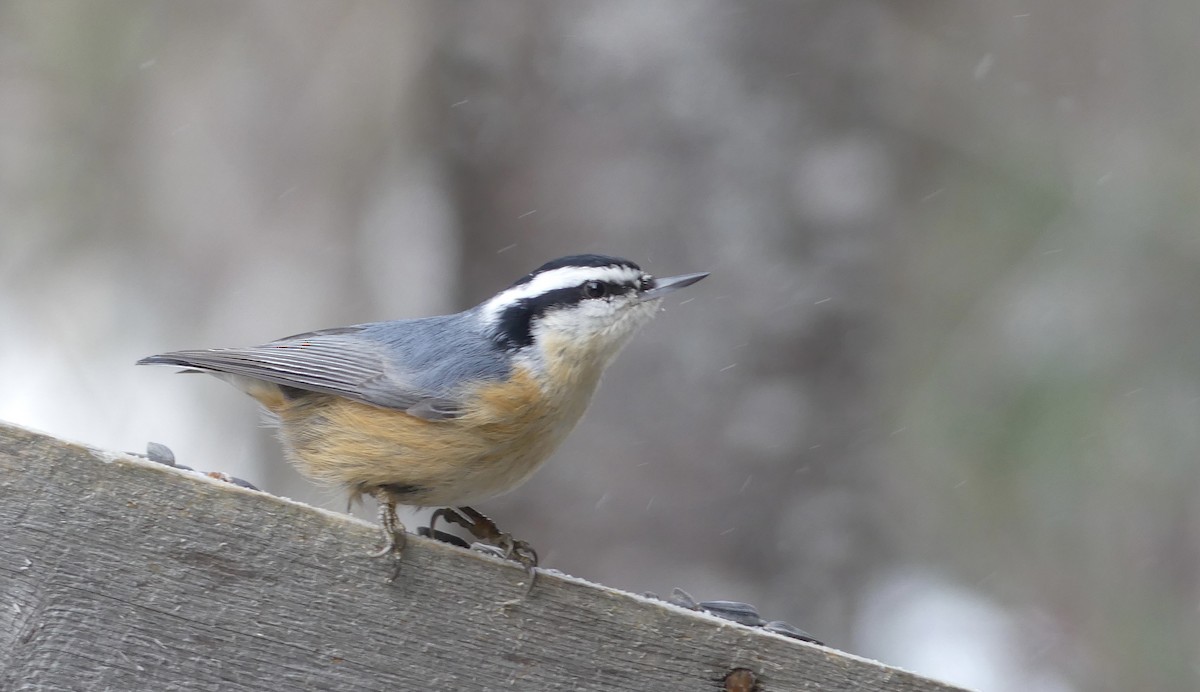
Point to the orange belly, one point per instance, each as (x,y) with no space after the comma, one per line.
(493,447)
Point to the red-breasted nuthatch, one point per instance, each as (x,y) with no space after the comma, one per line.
(446,411)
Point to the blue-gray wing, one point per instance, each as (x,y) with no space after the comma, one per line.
(398,365)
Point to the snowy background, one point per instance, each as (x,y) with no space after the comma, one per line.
(938,403)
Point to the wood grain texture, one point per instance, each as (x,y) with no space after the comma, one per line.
(122,574)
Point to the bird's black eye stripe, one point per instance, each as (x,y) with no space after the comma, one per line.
(514,325)
(514,328)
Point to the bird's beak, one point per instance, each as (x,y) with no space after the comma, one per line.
(671,283)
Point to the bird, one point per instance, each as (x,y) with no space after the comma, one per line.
(449,410)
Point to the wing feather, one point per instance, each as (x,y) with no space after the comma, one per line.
(332,361)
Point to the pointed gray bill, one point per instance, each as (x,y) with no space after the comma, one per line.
(671,283)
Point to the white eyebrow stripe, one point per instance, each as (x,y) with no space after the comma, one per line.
(555,279)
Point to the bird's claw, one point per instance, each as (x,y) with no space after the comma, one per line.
(490,539)
(395,537)
(517,551)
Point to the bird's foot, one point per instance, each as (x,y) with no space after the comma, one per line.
(491,539)
(394,535)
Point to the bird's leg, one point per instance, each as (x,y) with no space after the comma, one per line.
(486,531)
(429,532)
(394,535)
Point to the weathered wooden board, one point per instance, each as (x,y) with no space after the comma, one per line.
(121,574)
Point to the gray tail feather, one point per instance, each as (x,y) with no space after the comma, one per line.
(170,359)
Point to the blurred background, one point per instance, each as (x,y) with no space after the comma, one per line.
(937,403)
